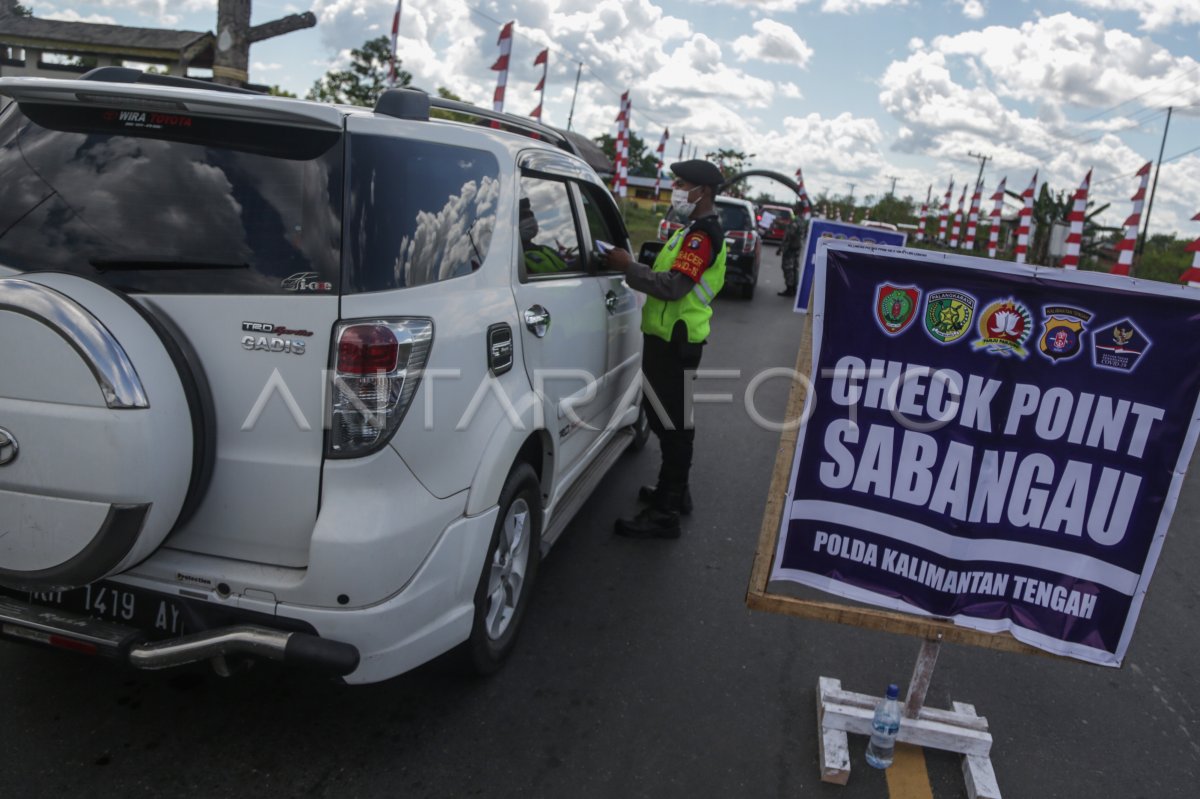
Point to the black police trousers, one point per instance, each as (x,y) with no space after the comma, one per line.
(664,366)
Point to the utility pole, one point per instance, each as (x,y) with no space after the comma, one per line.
(231,58)
(571,115)
(1150,204)
(852,185)
(983,159)
(893,179)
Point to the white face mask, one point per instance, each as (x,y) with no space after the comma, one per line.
(681,202)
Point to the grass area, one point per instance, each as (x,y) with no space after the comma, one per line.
(642,224)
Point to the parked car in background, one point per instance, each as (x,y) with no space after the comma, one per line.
(742,239)
(777,218)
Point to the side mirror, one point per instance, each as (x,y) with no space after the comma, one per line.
(649,252)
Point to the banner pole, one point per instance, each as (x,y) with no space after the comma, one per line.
(922,675)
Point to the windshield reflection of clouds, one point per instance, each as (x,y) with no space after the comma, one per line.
(450,242)
(126,197)
(551,207)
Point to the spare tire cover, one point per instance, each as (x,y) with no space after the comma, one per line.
(96,439)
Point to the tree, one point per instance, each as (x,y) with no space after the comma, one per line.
(732,162)
(276,91)
(893,209)
(22,11)
(642,162)
(365,80)
(1050,208)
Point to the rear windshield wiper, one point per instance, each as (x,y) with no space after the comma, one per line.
(126,264)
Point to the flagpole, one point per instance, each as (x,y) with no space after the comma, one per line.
(1150,204)
(571,115)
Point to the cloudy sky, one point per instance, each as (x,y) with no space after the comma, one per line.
(853,91)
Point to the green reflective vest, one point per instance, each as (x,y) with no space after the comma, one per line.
(541,259)
(694,308)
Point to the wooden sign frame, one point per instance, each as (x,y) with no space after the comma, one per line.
(759,597)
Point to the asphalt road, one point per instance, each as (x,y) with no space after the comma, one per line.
(640,673)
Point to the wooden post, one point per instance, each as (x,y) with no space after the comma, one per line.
(231,59)
(922,674)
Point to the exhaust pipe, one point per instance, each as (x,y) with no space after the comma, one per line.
(291,648)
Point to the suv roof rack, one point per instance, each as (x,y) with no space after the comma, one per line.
(408,104)
(130,75)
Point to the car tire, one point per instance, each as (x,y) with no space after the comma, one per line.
(509,570)
(748,291)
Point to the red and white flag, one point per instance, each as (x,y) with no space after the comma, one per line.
(944,211)
(1024,220)
(958,219)
(973,219)
(994,218)
(501,66)
(802,193)
(1192,276)
(395,39)
(621,163)
(543,58)
(1126,246)
(924,214)
(1075,218)
(662,148)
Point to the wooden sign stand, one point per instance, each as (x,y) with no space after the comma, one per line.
(840,712)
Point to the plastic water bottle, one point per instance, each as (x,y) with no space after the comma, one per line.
(884,728)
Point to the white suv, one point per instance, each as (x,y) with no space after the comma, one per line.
(276,380)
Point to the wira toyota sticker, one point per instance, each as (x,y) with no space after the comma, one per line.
(948,315)
(1119,346)
(1004,327)
(1062,332)
(896,307)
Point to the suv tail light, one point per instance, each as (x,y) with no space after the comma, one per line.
(376,371)
(741,240)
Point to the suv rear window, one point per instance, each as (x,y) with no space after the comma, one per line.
(734,217)
(154,202)
(420,212)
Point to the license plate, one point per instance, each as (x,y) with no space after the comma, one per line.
(156,615)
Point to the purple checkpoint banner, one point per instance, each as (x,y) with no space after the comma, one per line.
(997,444)
(827,230)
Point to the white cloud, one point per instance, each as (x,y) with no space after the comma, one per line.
(972,9)
(855,6)
(774,42)
(960,95)
(1154,14)
(70,15)
(259,66)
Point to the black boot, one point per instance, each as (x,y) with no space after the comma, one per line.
(788,291)
(651,522)
(656,495)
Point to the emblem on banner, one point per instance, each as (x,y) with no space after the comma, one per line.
(1004,327)
(1062,332)
(896,307)
(1119,346)
(948,315)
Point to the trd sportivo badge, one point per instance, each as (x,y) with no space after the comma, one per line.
(948,315)
(275,342)
(896,307)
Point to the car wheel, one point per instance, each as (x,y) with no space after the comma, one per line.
(641,430)
(508,572)
(748,291)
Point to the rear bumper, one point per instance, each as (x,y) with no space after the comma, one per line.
(57,628)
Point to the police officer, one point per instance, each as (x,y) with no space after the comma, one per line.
(538,257)
(789,251)
(687,274)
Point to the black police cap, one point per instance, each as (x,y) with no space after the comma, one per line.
(698,171)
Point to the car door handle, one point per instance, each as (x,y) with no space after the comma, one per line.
(537,319)
(610,301)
